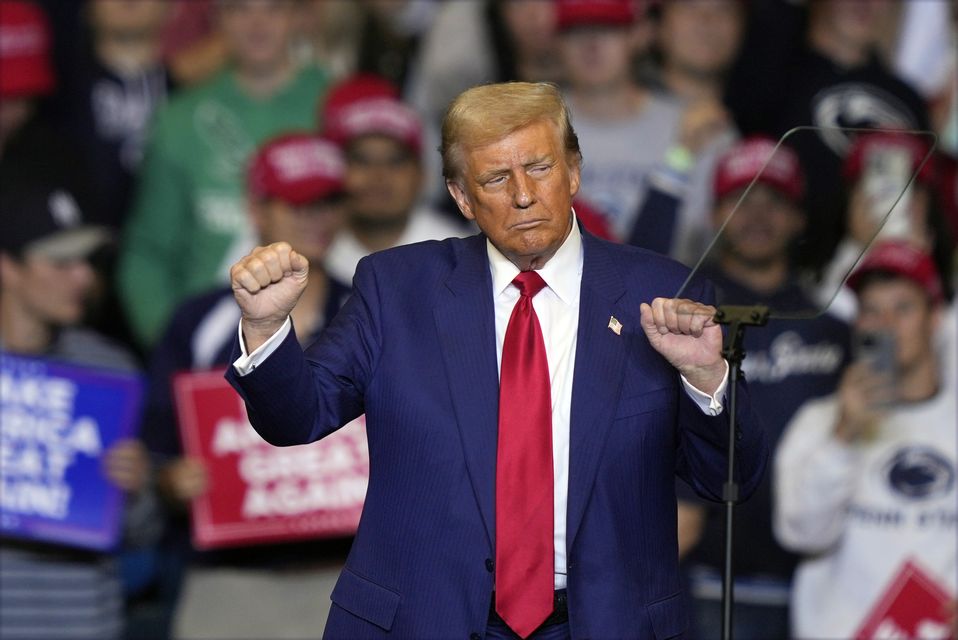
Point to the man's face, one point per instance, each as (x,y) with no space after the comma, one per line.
(763,227)
(701,36)
(596,57)
(383,179)
(257,32)
(54,292)
(858,23)
(309,228)
(531,25)
(519,191)
(901,308)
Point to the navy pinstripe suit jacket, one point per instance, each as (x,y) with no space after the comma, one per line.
(414,348)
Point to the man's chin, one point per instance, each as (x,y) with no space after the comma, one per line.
(531,255)
(756,259)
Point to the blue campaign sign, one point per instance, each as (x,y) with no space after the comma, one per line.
(56,423)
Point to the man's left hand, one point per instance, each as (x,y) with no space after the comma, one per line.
(686,334)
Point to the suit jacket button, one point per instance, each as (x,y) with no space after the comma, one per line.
(490,565)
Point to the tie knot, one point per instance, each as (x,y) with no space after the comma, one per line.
(529,283)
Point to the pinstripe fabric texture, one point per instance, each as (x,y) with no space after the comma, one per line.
(414,348)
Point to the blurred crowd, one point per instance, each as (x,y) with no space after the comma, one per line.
(145,145)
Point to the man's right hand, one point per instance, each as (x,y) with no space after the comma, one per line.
(267,284)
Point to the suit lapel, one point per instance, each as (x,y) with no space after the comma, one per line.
(599,362)
(465,323)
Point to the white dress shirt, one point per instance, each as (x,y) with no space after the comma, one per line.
(557,307)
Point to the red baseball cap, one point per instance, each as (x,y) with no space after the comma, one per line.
(866,144)
(297,168)
(24,50)
(740,164)
(900,258)
(367,104)
(577,13)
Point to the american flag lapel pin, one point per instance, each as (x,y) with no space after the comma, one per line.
(615,325)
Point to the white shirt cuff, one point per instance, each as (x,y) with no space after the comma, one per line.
(710,405)
(246,363)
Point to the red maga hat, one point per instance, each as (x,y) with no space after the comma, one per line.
(903,259)
(367,104)
(297,168)
(740,164)
(576,13)
(24,50)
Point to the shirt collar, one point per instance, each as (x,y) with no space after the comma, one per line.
(562,273)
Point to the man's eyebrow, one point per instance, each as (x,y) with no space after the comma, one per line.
(546,159)
(492,173)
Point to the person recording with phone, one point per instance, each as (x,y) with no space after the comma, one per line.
(865,479)
(877,169)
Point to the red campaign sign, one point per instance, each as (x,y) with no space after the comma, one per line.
(259,493)
(913,606)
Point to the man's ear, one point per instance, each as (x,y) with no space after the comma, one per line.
(575,175)
(462,200)
(937,318)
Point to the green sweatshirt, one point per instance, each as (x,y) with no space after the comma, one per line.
(189,222)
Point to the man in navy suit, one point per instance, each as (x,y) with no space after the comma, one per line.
(635,389)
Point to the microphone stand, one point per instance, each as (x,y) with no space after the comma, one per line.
(737,318)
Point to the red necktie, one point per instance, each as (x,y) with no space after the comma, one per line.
(525,553)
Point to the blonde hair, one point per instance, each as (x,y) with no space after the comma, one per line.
(487,113)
